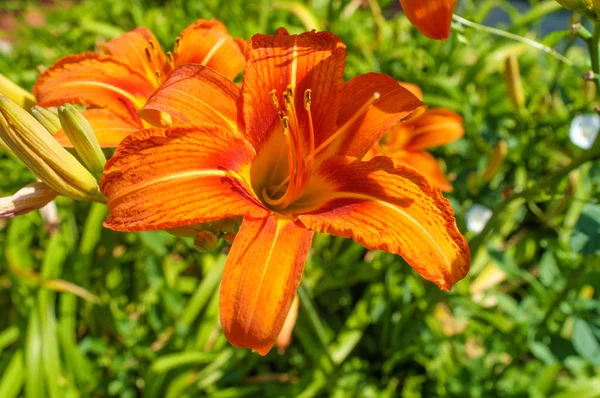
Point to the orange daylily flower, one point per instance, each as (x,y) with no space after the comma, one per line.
(405,143)
(433,18)
(116,84)
(283,152)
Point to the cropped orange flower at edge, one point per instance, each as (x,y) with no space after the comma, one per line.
(283,152)
(433,18)
(405,143)
(115,85)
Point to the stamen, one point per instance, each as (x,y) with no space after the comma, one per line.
(152,44)
(170,57)
(148,56)
(176,46)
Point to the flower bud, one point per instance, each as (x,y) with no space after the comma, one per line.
(80,133)
(22,97)
(512,77)
(31,197)
(47,118)
(205,241)
(495,163)
(43,155)
(587,8)
(285,336)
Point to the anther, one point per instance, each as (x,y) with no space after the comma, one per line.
(274,99)
(307,99)
(152,44)
(170,57)
(148,56)
(176,47)
(285,122)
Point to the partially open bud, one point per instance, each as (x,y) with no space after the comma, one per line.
(47,118)
(31,197)
(495,163)
(43,155)
(80,133)
(17,94)
(433,18)
(587,8)
(514,86)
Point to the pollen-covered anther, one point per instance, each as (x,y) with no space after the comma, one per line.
(307,99)
(274,100)
(176,46)
(170,58)
(148,55)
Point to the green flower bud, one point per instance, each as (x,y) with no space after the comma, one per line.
(47,118)
(43,155)
(81,135)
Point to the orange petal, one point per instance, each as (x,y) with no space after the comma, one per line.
(209,43)
(431,17)
(159,179)
(312,61)
(413,88)
(285,336)
(427,165)
(392,208)
(260,280)
(93,79)
(109,128)
(141,51)
(435,127)
(196,95)
(371,104)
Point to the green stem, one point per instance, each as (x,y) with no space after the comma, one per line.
(512,36)
(593,48)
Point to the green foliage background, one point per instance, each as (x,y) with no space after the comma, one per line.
(368,325)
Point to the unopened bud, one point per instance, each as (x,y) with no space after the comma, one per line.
(285,335)
(205,241)
(43,155)
(31,197)
(512,77)
(587,8)
(22,97)
(47,118)
(496,161)
(80,133)
(589,90)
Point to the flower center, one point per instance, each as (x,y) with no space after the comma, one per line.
(300,160)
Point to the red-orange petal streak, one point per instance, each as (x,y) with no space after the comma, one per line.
(109,128)
(312,61)
(370,105)
(161,179)
(260,280)
(196,95)
(96,80)
(390,208)
(209,43)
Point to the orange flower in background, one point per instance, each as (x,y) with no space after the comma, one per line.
(405,143)
(433,18)
(116,84)
(283,152)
